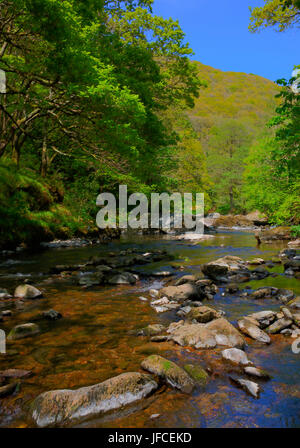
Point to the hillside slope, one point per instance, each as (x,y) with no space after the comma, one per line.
(230,114)
(233,95)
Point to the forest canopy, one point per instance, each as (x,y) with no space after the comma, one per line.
(100,93)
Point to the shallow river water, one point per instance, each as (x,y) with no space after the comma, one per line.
(95,339)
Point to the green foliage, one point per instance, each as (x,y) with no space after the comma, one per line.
(280,14)
(28,212)
(265,190)
(232,104)
(87,85)
(286,155)
(295,231)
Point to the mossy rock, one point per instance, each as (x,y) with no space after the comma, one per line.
(170,372)
(198,374)
(23,331)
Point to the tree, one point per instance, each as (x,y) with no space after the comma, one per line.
(226,149)
(78,86)
(286,154)
(280,14)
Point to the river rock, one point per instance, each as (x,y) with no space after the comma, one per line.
(88,280)
(218,332)
(151,330)
(170,372)
(7,390)
(257,218)
(23,331)
(206,289)
(294,243)
(279,325)
(186,279)
(285,295)
(197,373)
(236,356)
(61,407)
(180,293)
(4,294)
(224,267)
(263,318)
(293,266)
(203,314)
(27,292)
(250,327)
(259,373)
(125,278)
(296,318)
(256,262)
(248,386)
(184,311)
(51,315)
(264,293)
(286,312)
(275,234)
(15,373)
(294,303)
(287,253)
(154,293)
(159,338)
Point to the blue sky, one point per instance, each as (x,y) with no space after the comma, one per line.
(217,30)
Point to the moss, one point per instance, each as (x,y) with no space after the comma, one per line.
(197,373)
(167,365)
(31,210)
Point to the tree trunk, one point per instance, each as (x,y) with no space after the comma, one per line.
(231,198)
(45,160)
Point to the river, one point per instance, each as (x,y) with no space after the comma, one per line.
(95,339)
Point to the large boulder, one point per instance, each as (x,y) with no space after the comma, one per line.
(232,221)
(227,267)
(218,332)
(62,407)
(169,372)
(250,327)
(187,291)
(257,218)
(23,331)
(27,292)
(274,234)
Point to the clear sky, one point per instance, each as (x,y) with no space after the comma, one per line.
(217,30)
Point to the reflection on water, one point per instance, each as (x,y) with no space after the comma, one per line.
(94,341)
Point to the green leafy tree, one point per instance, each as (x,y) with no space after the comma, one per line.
(280,14)
(226,149)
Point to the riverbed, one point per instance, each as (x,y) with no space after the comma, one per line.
(96,338)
